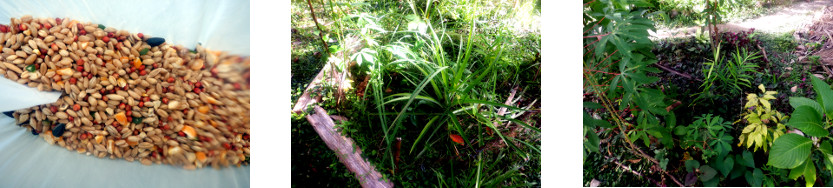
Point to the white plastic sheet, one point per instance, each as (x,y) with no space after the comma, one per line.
(28,161)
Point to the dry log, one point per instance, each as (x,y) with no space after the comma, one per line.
(343,146)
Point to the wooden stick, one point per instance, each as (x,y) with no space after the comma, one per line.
(320,32)
(343,146)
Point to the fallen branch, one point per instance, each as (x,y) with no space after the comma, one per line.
(626,168)
(343,147)
(675,72)
(764,52)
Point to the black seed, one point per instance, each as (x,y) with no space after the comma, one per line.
(58,131)
(155,41)
(35,132)
(9,113)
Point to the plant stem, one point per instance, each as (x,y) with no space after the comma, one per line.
(321,32)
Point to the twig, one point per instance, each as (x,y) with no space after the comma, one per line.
(626,168)
(764,52)
(321,32)
(620,123)
(675,72)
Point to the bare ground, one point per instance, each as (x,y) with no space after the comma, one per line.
(796,17)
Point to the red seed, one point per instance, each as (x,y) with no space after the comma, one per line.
(141,103)
(122,106)
(181,133)
(122,38)
(170,79)
(166,127)
(82,32)
(136,132)
(226,145)
(73,80)
(105,39)
(143,72)
(75,38)
(83,136)
(84,74)
(111,34)
(165,100)
(197,90)
(155,65)
(58,21)
(80,62)
(80,68)
(22,27)
(170,119)
(198,84)
(71,118)
(4,28)
(76,107)
(40,26)
(237,86)
(129,118)
(128,113)
(54,109)
(48,26)
(104,98)
(141,36)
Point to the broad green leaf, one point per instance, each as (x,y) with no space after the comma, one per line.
(755,177)
(725,166)
(827,151)
(592,141)
(789,151)
(748,160)
(824,94)
(708,173)
(808,170)
(690,165)
(808,121)
(795,102)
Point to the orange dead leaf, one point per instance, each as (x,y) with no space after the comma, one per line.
(457,138)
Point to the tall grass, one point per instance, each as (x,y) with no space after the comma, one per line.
(442,92)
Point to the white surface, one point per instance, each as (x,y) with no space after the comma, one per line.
(28,161)
(15,96)
(219,25)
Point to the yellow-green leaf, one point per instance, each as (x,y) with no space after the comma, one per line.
(766,104)
(761,86)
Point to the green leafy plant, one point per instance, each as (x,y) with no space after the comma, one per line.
(707,135)
(617,58)
(758,115)
(729,77)
(812,117)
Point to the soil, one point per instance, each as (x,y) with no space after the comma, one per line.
(796,17)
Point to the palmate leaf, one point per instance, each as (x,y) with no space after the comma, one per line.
(789,151)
